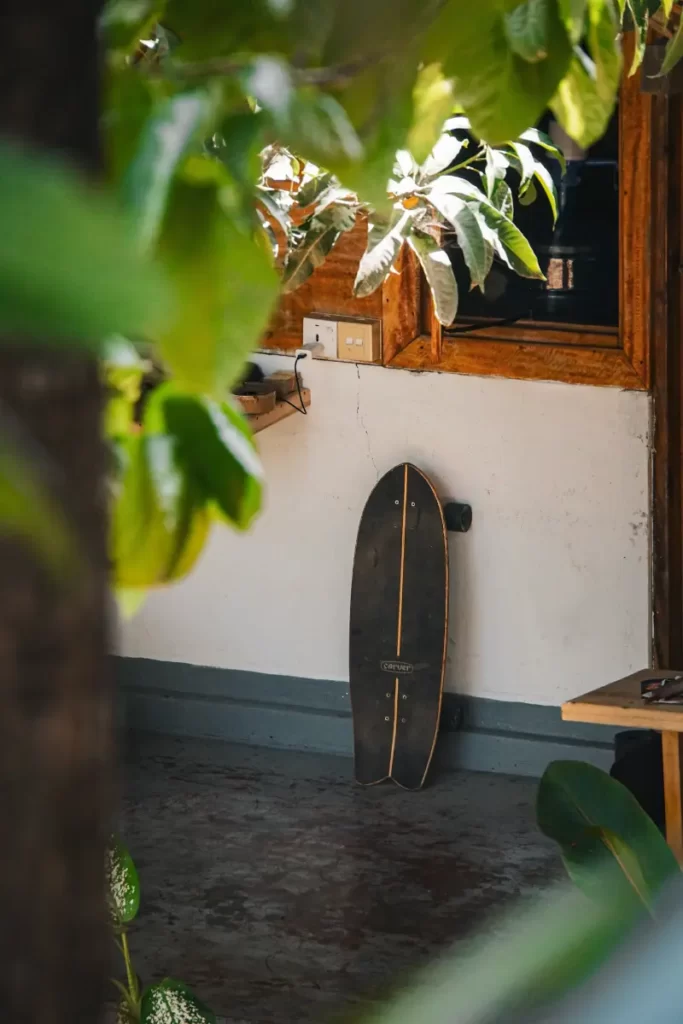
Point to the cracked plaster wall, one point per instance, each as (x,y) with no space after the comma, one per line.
(550,589)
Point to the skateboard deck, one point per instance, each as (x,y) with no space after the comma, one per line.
(399,622)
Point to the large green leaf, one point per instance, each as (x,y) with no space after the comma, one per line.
(384,245)
(573,13)
(68,270)
(206,32)
(545,180)
(468,233)
(159,519)
(433,102)
(527,29)
(225,284)
(318,236)
(600,827)
(123,883)
(439,273)
(578,107)
(172,1002)
(216,447)
(172,128)
(500,91)
(531,957)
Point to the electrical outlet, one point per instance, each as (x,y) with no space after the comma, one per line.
(319,332)
(358,341)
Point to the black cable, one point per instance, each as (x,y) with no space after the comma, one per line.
(301,407)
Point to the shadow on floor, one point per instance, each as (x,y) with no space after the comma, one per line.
(283,893)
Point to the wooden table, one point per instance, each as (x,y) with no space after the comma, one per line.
(620,703)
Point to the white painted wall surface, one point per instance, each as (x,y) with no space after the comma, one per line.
(550,588)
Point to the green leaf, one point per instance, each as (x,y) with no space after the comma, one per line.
(205,32)
(159,519)
(545,180)
(216,447)
(600,826)
(225,286)
(578,107)
(173,127)
(433,102)
(503,200)
(468,233)
(125,22)
(640,16)
(123,884)
(517,967)
(500,92)
(526,29)
(313,188)
(68,270)
(442,156)
(527,164)
(172,1002)
(27,508)
(129,600)
(511,245)
(439,273)
(529,195)
(496,168)
(545,142)
(573,14)
(384,245)
(318,236)
(674,51)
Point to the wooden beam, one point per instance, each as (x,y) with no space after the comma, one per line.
(673,791)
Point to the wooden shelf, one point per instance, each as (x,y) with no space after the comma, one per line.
(281,411)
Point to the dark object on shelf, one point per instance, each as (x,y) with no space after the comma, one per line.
(399,619)
(458,516)
(638,766)
(252,374)
(256,397)
(666,690)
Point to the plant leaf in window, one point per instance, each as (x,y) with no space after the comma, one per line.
(439,273)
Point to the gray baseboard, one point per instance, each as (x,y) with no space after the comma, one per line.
(310,714)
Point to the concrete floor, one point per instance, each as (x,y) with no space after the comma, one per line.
(283,893)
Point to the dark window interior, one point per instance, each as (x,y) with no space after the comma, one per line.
(579,255)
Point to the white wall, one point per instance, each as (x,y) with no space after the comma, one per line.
(549,588)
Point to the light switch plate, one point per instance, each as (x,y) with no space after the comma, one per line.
(320,332)
(358,341)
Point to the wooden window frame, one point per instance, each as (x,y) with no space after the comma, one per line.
(617,358)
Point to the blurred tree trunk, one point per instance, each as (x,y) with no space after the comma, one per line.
(55,701)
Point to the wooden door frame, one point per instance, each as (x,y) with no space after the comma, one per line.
(667,344)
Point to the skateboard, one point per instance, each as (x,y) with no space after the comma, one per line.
(398,629)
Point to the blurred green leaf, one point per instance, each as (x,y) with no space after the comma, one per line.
(174,125)
(206,29)
(573,13)
(128,100)
(129,600)
(217,449)
(432,102)
(241,136)
(439,273)
(225,286)
(125,22)
(123,884)
(640,18)
(172,1002)
(318,235)
(601,828)
(68,270)
(527,29)
(674,51)
(577,105)
(525,961)
(159,520)
(529,195)
(501,93)
(384,245)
